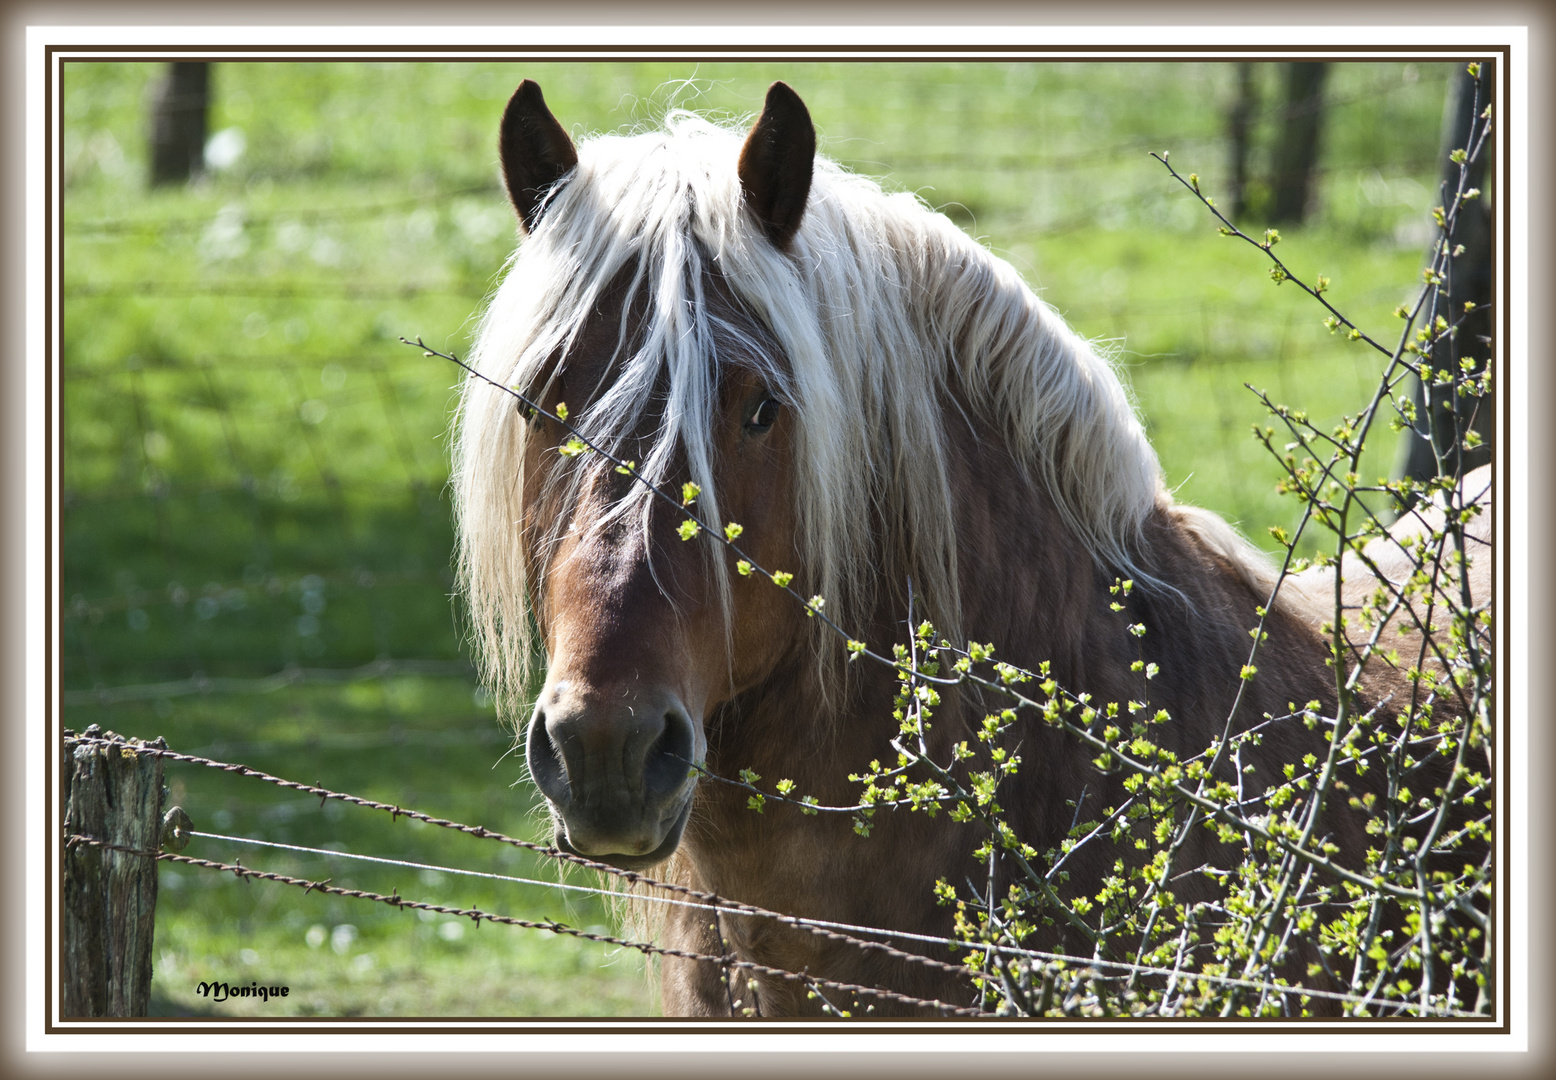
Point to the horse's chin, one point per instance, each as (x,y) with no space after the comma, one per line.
(623,860)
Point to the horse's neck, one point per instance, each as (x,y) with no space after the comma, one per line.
(1030,588)
(1026,584)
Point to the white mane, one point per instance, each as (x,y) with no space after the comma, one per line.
(879,306)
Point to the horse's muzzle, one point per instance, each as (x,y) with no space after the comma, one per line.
(616,773)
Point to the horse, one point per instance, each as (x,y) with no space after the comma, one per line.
(891,414)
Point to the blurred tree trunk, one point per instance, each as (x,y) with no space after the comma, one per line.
(1296,147)
(178,122)
(1472,279)
(1239,131)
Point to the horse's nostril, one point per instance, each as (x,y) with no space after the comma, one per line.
(545,761)
(670,756)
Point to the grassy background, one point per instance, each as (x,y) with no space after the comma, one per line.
(255,532)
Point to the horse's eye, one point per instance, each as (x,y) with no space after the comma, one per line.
(764,417)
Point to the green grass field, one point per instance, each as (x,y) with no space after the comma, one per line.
(254,468)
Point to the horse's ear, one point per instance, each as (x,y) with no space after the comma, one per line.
(535,151)
(776,163)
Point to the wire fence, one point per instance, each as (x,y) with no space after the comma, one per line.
(650,891)
(685,896)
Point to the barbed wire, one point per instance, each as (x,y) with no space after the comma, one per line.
(698,900)
(713,901)
(476,915)
(1005,952)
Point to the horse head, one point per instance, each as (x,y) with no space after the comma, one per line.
(645,633)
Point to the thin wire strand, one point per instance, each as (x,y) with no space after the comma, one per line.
(1004,951)
(592,890)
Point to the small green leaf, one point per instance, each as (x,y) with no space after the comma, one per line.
(688,529)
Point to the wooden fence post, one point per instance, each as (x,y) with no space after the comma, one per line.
(114,794)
